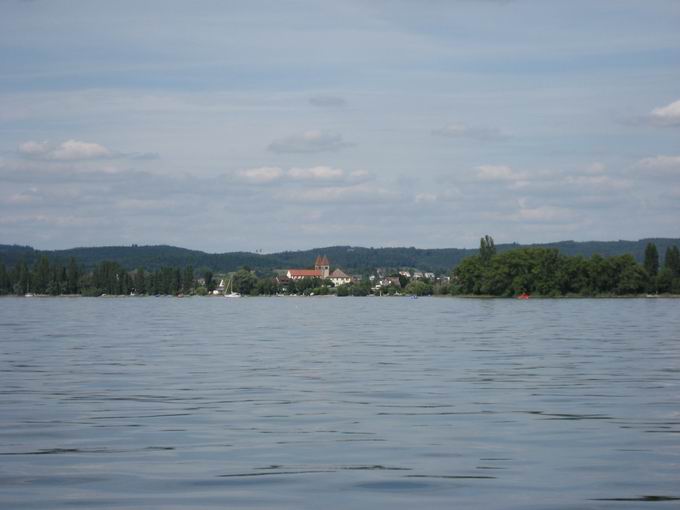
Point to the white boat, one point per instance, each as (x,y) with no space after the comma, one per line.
(229,289)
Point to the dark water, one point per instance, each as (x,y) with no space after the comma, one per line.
(336,403)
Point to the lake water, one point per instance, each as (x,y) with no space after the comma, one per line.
(334,403)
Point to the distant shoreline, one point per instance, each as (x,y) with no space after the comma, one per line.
(406,296)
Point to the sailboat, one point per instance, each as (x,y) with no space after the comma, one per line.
(229,289)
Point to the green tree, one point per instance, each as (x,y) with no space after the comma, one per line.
(188,279)
(651,263)
(244,281)
(664,280)
(672,260)
(487,249)
(267,287)
(140,281)
(418,288)
(631,277)
(209,282)
(72,277)
(5,287)
(41,275)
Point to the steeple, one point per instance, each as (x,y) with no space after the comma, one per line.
(323,266)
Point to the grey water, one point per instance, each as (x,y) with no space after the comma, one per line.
(289,403)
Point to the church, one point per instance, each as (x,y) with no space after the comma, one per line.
(322,269)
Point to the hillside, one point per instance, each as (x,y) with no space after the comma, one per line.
(356,259)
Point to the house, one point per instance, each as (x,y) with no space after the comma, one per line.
(390,280)
(338,277)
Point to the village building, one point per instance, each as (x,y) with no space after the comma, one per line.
(338,277)
(322,269)
(390,280)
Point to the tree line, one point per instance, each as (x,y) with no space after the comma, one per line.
(537,271)
(547,272)
(53,278)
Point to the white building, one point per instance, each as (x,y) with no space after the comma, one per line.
(338,277)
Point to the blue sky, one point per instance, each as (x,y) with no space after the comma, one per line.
(274,125)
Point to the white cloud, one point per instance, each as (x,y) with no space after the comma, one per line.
(34,149)
(70,150)
(261,175)
(74,150)
(309,142)
(668,115)
(321,174)
(316,173)
(499,173)
(459,130)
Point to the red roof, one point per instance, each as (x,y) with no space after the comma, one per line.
(304,272)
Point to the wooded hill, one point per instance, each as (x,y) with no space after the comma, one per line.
(354,259)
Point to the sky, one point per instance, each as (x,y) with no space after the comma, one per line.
(270,125)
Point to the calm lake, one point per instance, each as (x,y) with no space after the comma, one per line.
(334,403)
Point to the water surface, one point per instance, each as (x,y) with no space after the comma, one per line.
(287,403)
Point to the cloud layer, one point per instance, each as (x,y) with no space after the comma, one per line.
(285,126)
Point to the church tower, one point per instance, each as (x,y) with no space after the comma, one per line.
(323,266)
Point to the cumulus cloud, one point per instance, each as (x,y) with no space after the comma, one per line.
(327,101)
(34,149)
(261,175)
(270,174)
(309,142)
(459,130)
(76,150)
(70,150)
(316,173)
(668,115)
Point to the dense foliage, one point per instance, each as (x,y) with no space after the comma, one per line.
(54,278)
(547,272)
